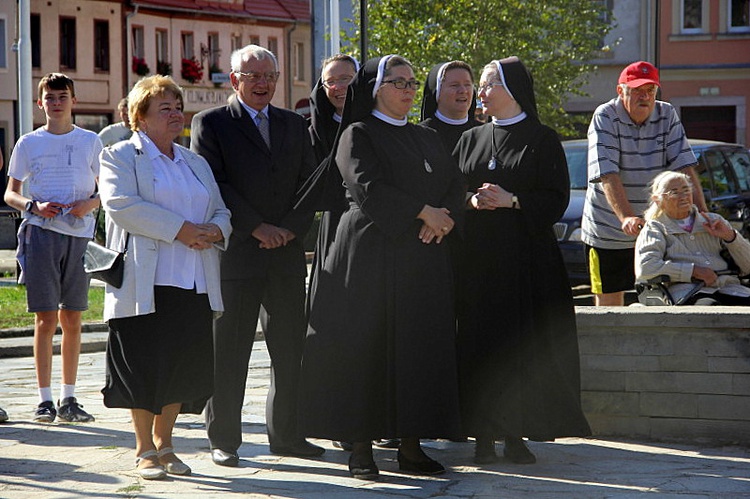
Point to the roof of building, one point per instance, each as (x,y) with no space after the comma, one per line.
(291,10)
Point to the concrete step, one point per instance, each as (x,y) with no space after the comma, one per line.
(19,342)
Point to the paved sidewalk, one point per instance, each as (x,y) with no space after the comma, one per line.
(96,460)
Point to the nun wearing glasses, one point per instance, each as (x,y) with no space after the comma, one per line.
(327,107)
(517,344)
(379,359)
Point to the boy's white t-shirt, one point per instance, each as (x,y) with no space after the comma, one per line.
(59,168)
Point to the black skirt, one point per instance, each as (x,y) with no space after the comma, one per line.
(162,358)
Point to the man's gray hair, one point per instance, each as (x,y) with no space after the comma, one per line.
(248,52)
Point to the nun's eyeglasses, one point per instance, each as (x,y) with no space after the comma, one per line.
(338,82)
(402,84)
(487,86)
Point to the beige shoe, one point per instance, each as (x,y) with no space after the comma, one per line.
(173,467)
(152,472)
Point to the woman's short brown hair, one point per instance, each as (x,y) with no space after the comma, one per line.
(139,98)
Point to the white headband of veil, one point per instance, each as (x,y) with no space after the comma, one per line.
(381,74)
(439,84)
(502,78)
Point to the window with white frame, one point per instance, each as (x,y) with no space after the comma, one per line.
(236,41)
(162,45)
(692,16)
(188,47)
(138,45)
(255,39)
(213,50)
(273,45)
(298,52)
(739,16)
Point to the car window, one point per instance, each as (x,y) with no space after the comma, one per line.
(716,164)
(740,161)
(577,158)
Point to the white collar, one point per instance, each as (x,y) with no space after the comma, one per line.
(509,121)
(337,117)
(153,152)
(252,112)
(388,119)
(451,121)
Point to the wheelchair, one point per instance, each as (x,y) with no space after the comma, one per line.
(656,292)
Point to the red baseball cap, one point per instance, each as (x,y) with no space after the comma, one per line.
(638,74)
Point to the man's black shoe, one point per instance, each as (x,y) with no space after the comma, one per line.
(224,458)
(303,448)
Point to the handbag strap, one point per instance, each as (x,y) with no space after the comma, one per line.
(96,228)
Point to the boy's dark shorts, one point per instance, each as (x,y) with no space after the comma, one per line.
(610,270)
(55,278)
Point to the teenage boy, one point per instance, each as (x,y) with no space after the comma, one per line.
(59,163)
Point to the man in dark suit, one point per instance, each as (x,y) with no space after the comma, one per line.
(260,156)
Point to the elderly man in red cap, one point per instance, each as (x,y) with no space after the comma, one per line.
(632,138)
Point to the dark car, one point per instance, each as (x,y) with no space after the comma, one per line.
(724,171)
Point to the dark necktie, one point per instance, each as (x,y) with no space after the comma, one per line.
(262,122)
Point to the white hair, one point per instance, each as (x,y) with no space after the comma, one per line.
(251,51)
(659,188)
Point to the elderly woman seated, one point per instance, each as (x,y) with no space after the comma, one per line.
(686,245)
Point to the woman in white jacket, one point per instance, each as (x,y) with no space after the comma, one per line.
(162,205)
(686,244)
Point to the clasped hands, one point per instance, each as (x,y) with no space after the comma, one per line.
(437,224)
(79,208)
(199,236)
(271,236)
(491,196)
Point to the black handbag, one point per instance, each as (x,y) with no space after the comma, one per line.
(103,263)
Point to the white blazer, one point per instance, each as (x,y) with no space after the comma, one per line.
(126,187)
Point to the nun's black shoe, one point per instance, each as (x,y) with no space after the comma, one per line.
(345,446)
(517,452)
(427,466)
(364,470)
(387,443)
(484,452)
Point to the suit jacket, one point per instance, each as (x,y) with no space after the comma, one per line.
(258,184)
(126,186)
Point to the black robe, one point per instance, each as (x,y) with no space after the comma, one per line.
(332,201)
(517,340)
(379,358)
(449,134)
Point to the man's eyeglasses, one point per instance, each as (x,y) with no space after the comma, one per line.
(487,86)
(253,77)
(338,82)
(640,91)
(402,84)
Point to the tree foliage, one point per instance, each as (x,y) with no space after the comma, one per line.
(554,38)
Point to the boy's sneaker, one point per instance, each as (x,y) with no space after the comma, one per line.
(45,412)
(3,416)
(72,412)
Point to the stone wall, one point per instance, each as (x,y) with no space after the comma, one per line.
(666,373)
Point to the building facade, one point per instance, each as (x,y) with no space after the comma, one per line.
(704,59)
(193,40)
(702,49)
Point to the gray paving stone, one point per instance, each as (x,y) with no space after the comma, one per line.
(96,460)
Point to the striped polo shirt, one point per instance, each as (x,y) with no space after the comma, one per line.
(637,153)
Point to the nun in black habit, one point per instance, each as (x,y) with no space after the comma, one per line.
(379,359)
(449,101)
(518,348)
(327,102)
